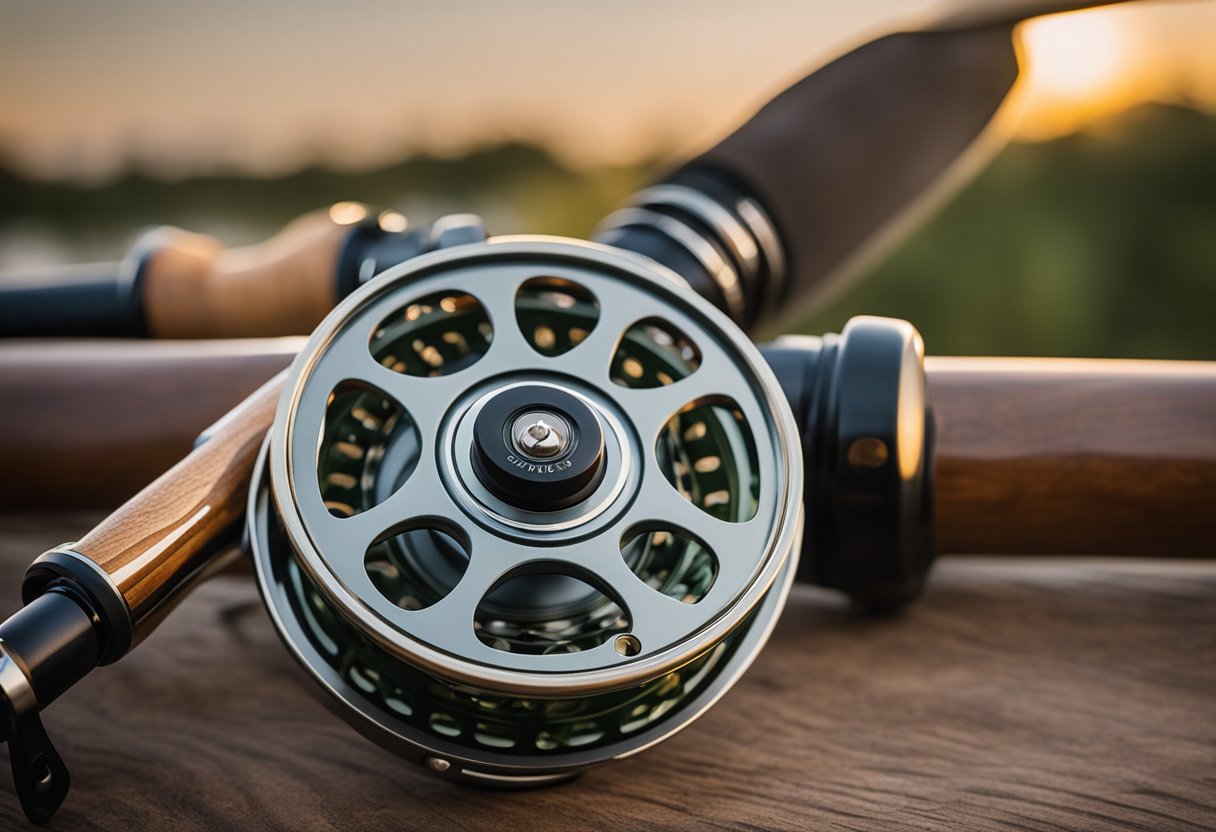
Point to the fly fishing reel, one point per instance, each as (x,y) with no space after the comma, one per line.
(527,506)
(524,506)
(531,505)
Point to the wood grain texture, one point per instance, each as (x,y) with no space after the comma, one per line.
(160,537)
(1042,456)
(195,288)
(86,424)
(1018,695)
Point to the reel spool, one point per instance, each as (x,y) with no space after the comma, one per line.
(527,506)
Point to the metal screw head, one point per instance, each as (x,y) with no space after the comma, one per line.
(868,453)
(540,435)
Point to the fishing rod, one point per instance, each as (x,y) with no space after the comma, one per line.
(1031,455)
(835,168)
(509,556)
(522,506)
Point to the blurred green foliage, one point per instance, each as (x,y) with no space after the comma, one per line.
(518,188)
(1101,244)
(1098,244)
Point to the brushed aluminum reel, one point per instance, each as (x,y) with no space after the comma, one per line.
(527,506)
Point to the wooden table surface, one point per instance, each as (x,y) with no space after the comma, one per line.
(1017,695)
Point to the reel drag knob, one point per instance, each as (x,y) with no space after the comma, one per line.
(527,506)
(538,448)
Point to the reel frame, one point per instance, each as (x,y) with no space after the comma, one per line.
(732,621)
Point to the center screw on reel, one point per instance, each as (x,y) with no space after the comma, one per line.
(538,448)
(537,439)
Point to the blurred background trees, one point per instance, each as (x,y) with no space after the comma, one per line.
(1098,243)
(1093,234)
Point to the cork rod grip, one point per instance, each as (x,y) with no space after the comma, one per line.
(160,538)
(196,288)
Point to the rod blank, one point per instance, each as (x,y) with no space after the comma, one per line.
(1059,456)
(1033,456)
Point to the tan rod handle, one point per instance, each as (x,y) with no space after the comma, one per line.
(156,542)
(179,284)
(194,287)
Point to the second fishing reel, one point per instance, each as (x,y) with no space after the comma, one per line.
(532,505)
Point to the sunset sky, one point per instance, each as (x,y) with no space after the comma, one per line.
(87,89)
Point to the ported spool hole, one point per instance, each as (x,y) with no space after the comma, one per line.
(416,568)
(469,718)
(627,645)
(436,335)
(555,315)
(708,453)
(546,611)
(653,353)
(369,447)
(670,562)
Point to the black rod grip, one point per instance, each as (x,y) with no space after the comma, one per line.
(91,300)
(838,156)
(55,636)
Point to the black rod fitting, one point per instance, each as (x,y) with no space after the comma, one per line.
(866,421)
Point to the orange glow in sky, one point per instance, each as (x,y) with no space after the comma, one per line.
(88,90)
(1082,66)
(1075,56)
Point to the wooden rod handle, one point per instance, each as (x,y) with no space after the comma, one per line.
(1060,456)
(193,287)
(160,538)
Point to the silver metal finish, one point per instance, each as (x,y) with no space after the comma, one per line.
(390,731)
(769,242)
(453,230)
(440,637)
(311,563)
(15,687)
(722,272)
(540,435)
(729,229)
(503,518)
